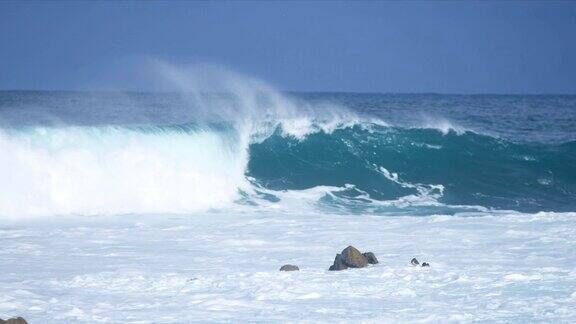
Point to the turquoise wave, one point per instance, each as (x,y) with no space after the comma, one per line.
(387,163)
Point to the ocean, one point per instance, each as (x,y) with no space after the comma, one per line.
(181,206)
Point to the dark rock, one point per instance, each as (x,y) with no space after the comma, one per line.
(370,257)
(15,320)
(338,264)
(414,262)
(289,267)
(352,258)
(425,264)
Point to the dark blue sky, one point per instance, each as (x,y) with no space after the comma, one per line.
(447,47)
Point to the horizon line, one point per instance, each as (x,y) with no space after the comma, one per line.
(316,92)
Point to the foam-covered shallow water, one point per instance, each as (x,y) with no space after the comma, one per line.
(503,267)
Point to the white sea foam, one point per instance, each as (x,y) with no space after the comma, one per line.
(427,194)
(442,125)
(107,170)
(224,267)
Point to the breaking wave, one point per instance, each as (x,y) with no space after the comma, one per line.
(238,143)
(360,168)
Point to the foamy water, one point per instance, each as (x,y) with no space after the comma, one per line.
(224,267)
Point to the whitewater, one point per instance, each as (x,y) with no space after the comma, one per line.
(181,205)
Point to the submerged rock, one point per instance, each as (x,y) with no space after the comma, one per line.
(15,320)
(289,267)
(370,257)
(352,258)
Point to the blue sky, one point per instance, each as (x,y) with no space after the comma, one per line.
(445,47)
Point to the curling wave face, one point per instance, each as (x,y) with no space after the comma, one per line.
(420,167)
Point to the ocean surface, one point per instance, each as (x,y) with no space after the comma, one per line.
(181,206)
(353,153)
